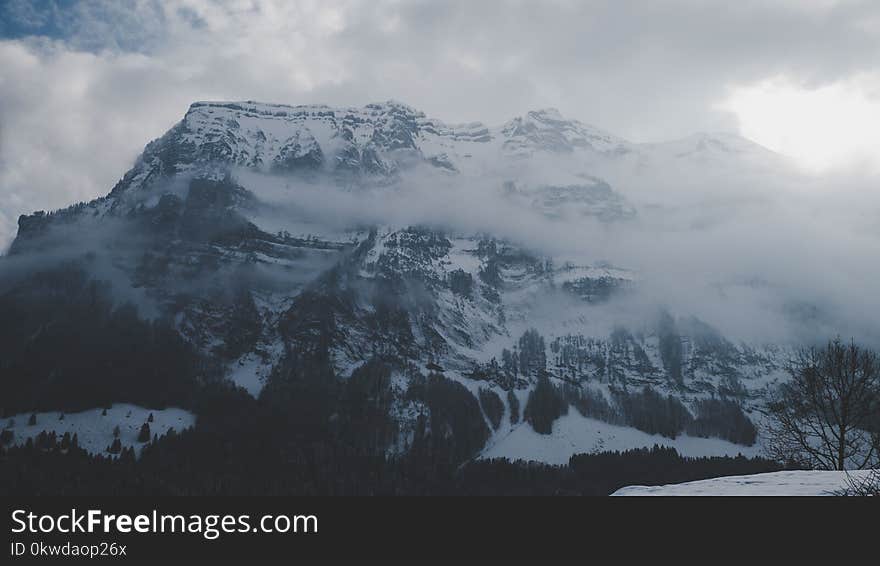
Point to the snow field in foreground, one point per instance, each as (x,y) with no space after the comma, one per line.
(793,483)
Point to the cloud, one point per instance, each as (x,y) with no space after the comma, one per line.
(86,84)
(759,259)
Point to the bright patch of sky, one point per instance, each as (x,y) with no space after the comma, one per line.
(823,128)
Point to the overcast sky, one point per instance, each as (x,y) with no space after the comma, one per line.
(85,85)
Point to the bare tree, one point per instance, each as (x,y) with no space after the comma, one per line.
(864,486)
(826,416)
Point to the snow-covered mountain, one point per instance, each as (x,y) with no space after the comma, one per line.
(268,235)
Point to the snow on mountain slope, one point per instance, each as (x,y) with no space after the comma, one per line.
(263,231)
(546,129)
(540,160)
(379,141)
(376,140)
(712,146)
(575,434)
(791,483)
(94,429)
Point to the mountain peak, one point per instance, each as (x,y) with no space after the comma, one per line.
(716,142)
(376,141)
(548,113)
(396,105)
(547,129)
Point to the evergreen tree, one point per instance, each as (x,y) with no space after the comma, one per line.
(508,363)
(725,419)
(590,403)
(144,434)
(492,405)
(670,347)
(544,406)
(457,428)
(532,353)
(513,401)
(651,412)
(244,324)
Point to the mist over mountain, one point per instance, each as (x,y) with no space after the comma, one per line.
(530,290)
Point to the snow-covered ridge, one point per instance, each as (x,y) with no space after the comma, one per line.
(287,110)
(375,143)
(547,129)
(713,148)
(357,124)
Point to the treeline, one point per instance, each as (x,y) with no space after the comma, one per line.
(602,473)
(545,404)
(53,466)
(65,346)
(307,433)
(723,418)
(646,410)
(651,412)
(310,432)
(454,430)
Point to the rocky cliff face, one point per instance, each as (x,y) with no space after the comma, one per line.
(193,236)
